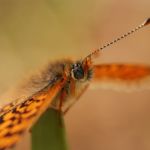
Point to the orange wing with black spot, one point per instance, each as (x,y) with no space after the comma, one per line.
(122,76)
(16,119)
(9,106)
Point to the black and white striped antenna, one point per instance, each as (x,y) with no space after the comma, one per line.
(145,23)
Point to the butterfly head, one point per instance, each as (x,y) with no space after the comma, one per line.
(82,70)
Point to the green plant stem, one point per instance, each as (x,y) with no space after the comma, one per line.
(49,132)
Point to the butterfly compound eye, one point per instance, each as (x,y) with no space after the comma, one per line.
(77,71)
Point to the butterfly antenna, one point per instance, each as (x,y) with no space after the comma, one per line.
(145,23)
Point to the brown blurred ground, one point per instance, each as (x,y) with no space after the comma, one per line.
(33,32)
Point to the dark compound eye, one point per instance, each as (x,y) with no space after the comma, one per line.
(78,71)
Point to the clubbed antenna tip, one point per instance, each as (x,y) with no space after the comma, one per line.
(146,22)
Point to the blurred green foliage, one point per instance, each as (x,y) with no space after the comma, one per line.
(49,132)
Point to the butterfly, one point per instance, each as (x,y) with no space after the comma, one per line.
(61,84)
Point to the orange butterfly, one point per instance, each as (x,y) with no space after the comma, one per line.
(67,80)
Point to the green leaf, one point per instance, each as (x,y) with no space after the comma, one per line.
(49,132)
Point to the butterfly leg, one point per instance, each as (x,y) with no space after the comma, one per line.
(63,95)
(77,98)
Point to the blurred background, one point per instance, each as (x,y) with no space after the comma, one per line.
(33,32)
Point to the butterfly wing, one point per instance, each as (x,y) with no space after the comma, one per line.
(17,119)
(121,76)
(9,106)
